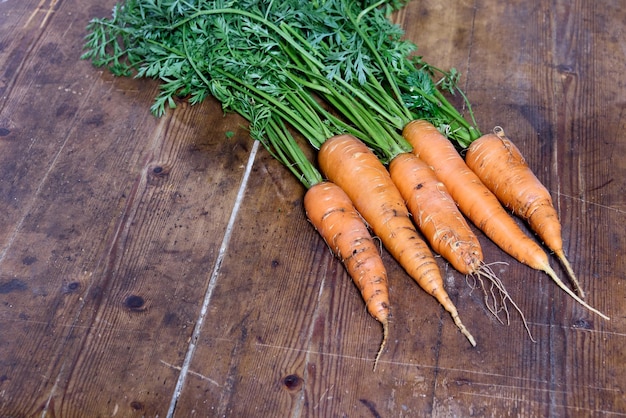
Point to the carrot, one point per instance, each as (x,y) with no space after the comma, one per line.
(501,167)
(479,204)
(332,214)
(347,162)
(435,213)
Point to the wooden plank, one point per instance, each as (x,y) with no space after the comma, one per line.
(585,100)
(112,221)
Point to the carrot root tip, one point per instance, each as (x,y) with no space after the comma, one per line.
(570,272)
(464,331)
(548,270)
(385,325)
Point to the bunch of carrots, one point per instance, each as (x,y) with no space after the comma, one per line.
(340,75)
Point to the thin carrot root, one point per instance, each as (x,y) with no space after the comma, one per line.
(550,272)
(570,272)
(494,294)
(497,293)
(383,342)
(442,296)
(464,331)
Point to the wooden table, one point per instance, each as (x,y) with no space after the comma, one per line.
(156,265)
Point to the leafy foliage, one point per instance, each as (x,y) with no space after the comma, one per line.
(251,54)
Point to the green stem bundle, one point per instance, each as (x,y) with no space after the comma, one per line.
(346,53)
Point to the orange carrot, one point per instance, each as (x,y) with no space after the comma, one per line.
(501,167)
(477,202)
(332,214)
(347,162)
(435,213)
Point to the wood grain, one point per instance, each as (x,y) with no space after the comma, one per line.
(123,292)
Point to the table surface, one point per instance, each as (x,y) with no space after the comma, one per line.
(151,266)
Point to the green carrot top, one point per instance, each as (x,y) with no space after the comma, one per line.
(288,55)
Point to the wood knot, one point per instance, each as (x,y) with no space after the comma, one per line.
(292,382)
(159,170)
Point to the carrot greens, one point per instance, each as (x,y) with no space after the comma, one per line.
(346,52)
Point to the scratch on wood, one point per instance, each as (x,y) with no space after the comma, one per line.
(212,281)
(427,366)
(620,211)
(39,8)
(313,352)
(322,397)
(509,398)
(201,376)
(371,406)
(603,185)
(491,387)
